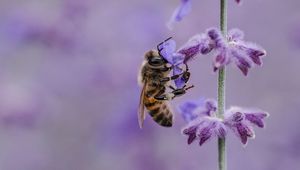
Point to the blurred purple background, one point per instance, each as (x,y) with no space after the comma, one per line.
(68,91)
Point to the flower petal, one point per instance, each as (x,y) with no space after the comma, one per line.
(238,117)
(221,59)
(180,12)
(235,35)
(186,111)
(191,132)
(211,106)
(244,132)
(207,108)
(242,61)
(220,130)
(199,43)
(204,134)
(216,36)
(188,108)
(177,59)
(253,51)
(179,82)
(167,50)
(256,118)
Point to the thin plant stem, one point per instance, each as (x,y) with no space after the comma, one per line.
(221,89)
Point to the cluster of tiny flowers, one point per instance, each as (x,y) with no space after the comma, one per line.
(203,123)
(232,49)
(182,10)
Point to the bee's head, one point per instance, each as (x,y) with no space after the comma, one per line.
(154,59)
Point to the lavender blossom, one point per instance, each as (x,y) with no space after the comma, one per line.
(204,124)
(181,11)
(187,109)
(240,121)
(199,43)
(204,128)
(231,50)
(244,54)
(168,51)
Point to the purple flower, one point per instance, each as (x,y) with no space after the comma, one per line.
(234,49)
(167,50)
(187,109)
(204,128)
(240,121)
(231,50)
(199,43)
(181,11)
(204,124)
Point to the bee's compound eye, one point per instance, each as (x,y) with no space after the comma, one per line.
(156,61)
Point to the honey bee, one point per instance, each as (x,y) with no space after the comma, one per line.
(154,80)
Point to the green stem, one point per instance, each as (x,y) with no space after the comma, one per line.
(221,89)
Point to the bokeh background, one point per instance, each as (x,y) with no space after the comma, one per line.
(69,96)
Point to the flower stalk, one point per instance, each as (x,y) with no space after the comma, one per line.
(221,89)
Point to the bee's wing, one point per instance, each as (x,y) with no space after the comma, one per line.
(141,112)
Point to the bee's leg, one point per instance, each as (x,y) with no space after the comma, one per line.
(177,92)
(161,95)
(162,43)
(181,91)
(173,94)
(185,75)
(174,77)
(171,87)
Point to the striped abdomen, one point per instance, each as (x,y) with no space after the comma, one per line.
(159,111)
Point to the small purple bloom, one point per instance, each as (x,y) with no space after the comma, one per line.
(216,36)
(235,49)
(191,132)
(203,124)
(168,51)
(199,43)
(256,118)
(239,121)
(181,11)
(253,51)
(221,59)
(187,109)
(203,128)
